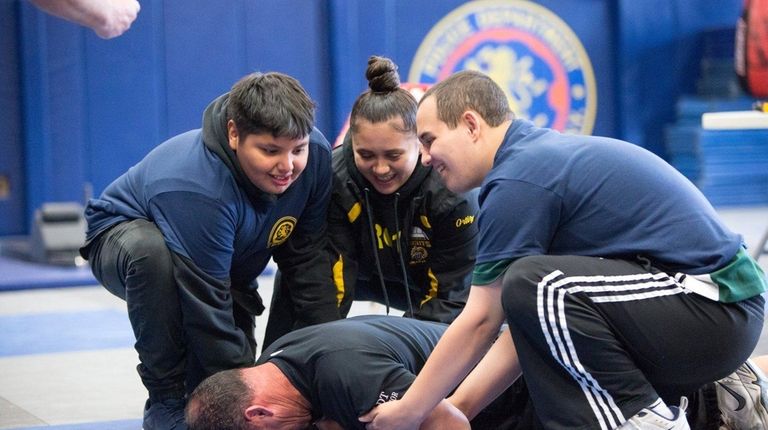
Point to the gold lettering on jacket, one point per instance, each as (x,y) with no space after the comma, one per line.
(469,219)
(384,237)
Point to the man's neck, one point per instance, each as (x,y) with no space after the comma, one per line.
(272,388)
(286,390)
(493,139)
(496,135)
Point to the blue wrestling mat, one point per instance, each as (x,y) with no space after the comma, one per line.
(18,274)
(111,425)
(19,271)
(74,332)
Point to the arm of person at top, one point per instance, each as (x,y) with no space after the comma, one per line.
(107,18)
(464,343)
(445,416)
(498,369)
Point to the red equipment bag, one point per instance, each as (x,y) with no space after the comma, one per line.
(751,53)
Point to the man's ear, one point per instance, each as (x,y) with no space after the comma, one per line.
(471,121)
(232,135)
(255,411)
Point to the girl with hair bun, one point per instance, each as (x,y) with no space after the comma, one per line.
(399,236)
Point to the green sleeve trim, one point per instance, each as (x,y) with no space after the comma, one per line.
(487,273)
(741,279)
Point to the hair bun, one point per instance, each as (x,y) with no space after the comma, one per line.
(382,75)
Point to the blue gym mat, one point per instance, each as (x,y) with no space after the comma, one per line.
(111,425)
(21,275)
(56,332)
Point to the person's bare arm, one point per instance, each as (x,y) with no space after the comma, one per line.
(495,373)
(464,343)
(445,416)
(762,362)
(107,18)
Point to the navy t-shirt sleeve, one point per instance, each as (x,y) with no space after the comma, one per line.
(516,219)
(198,227)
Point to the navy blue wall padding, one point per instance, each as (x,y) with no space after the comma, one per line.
(659,52)
(54,105)
(11,141)
(80,110)
(125,109)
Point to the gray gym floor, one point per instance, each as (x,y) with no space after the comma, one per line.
(66,356)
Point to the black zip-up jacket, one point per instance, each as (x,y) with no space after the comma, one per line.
(423,239)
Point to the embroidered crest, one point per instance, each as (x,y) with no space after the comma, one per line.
(281,230)
(420,245)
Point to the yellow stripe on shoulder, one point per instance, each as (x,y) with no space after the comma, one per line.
(425,221)
(354,212)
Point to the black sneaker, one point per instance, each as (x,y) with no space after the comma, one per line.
(165,415)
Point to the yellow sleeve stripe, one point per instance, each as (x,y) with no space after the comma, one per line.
(354,212)
(338,279)
(425,221)
(432,288)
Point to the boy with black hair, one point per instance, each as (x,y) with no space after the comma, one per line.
(182,235)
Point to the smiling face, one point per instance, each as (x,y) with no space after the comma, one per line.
(385,156)
(271,163)
(448,151)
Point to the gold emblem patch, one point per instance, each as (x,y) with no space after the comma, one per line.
(281,230)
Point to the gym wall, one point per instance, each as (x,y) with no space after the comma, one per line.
(77,111)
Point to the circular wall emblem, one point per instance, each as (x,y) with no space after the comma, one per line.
(281,230)
(526,49)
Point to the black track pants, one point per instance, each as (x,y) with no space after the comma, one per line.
(600,339)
